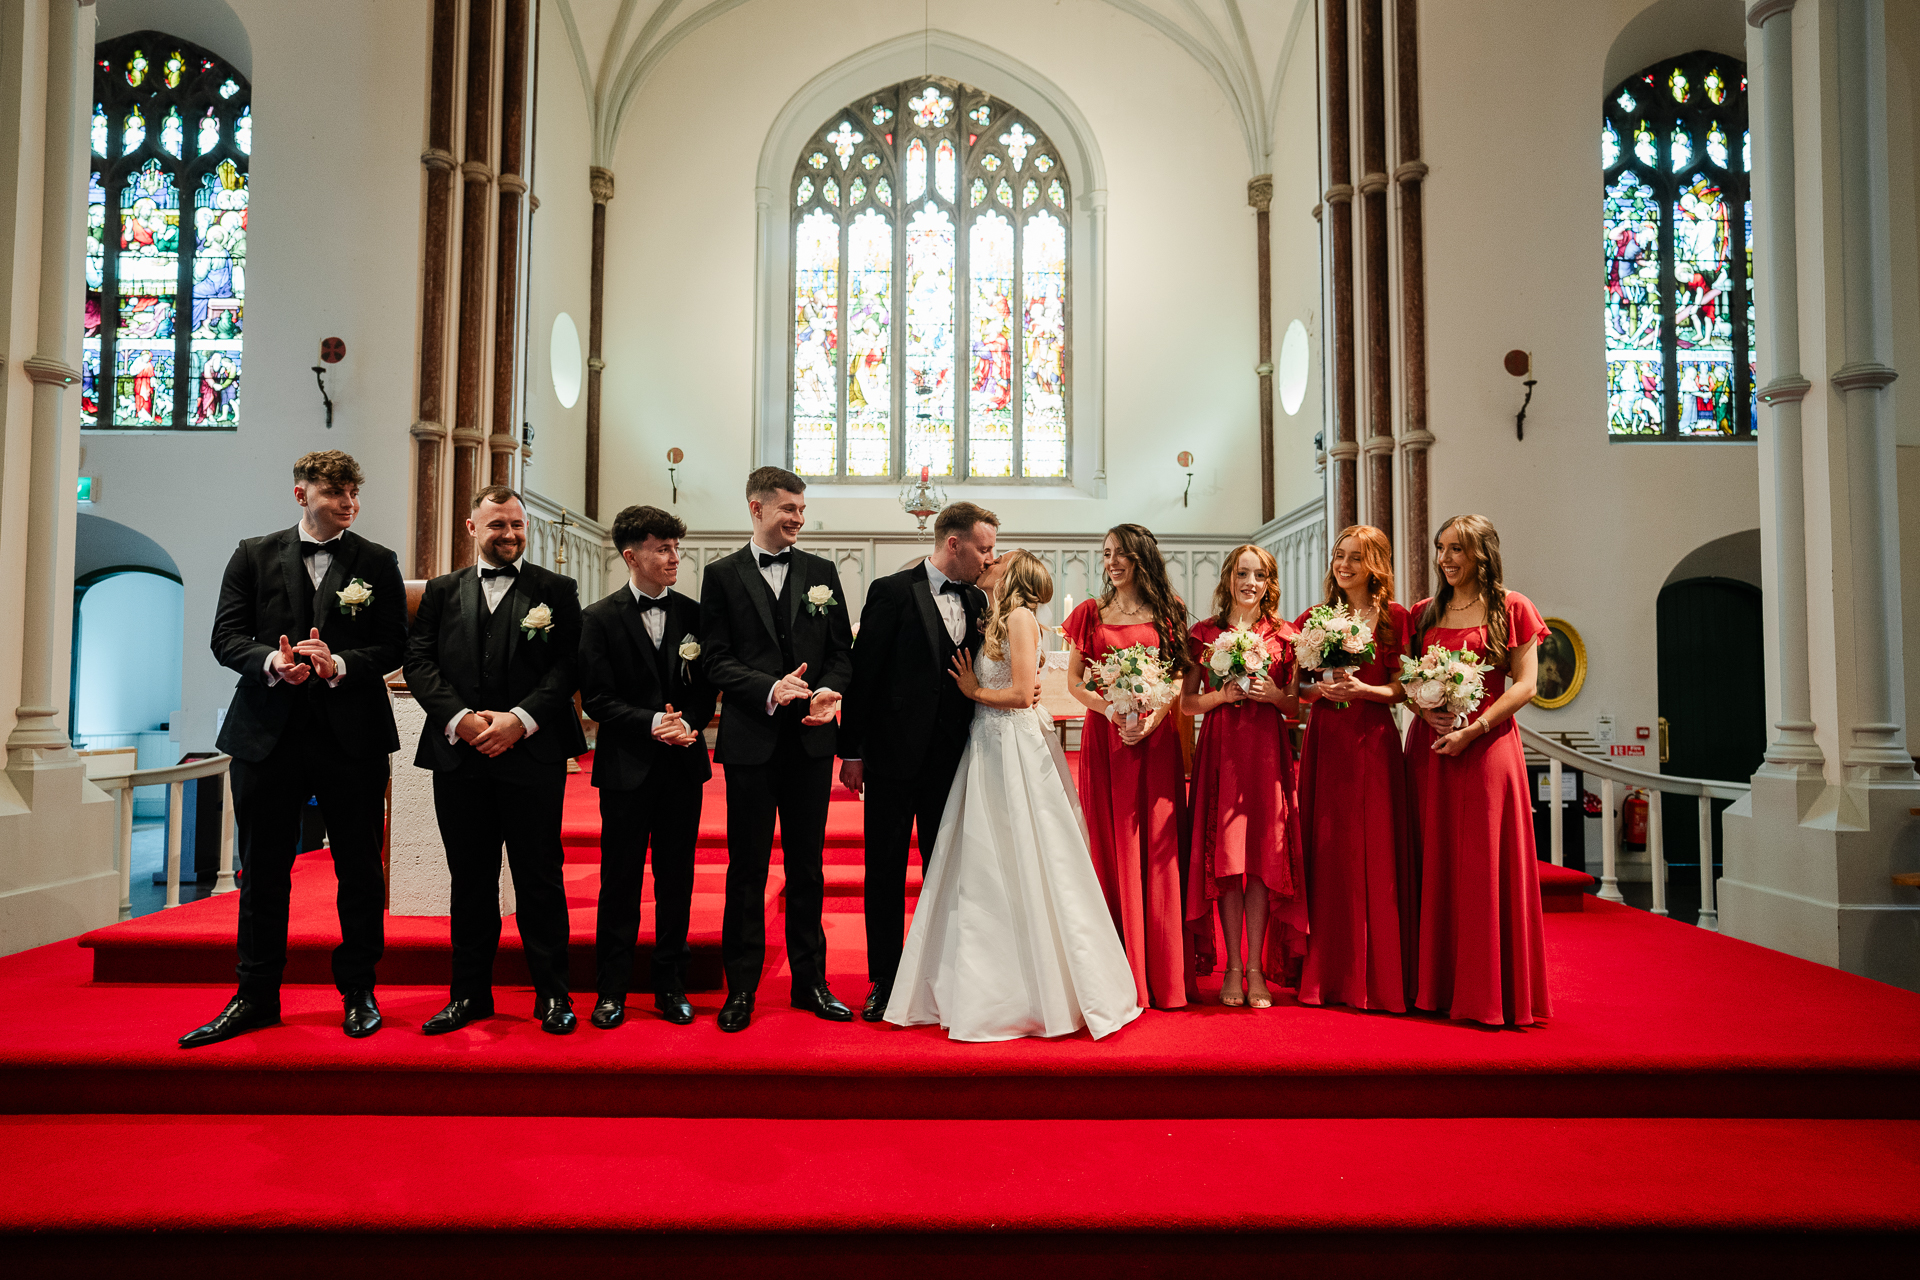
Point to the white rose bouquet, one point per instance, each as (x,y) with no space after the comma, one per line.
(354,597)
(1443,679)
(1332,638)
(1238,656)
(1134,681)
(538,622)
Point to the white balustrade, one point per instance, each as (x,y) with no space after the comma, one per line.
(174,778)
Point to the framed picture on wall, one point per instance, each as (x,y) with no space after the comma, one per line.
(1563,665)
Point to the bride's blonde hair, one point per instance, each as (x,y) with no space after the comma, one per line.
(1024,584)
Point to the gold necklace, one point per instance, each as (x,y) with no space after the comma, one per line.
(1462,608)
(1134,612)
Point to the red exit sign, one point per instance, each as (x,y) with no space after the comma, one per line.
(1628,749)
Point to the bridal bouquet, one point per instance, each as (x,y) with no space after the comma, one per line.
(1332,637)
(1445,679)
(1238,655)
(1135,682)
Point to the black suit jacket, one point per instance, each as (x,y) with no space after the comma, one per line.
(743,650)
(621,687)
(266,594)
(443,662)
(901,674)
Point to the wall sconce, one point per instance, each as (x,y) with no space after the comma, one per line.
(674,459)
(332,351)
(1186,460)
(1520,365)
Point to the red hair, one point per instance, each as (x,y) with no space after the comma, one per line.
(1376,553)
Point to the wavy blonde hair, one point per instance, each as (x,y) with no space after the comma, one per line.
(1377,555)
(1025,584)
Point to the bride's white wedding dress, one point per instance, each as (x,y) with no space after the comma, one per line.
(1011,936)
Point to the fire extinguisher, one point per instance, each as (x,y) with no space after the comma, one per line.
(1634,817)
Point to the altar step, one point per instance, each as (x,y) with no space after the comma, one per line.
(490,1196)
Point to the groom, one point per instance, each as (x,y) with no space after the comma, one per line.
(904,726)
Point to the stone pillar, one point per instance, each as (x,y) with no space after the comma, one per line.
(430,423)
(1344,452)
(600,183)
(1260,196)
(475,219)
(1373,209)
(504,443)
(1810,852)
(39,737)
(1414,439)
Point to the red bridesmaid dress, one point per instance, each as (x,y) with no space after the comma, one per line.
(1244,819)
(1353,809)
(1135,801)
(1482,949)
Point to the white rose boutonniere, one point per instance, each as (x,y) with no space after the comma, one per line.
(820,598)
(689,654)
(538,622)
(354,597)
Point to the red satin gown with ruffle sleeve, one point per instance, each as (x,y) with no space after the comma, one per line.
(1482,951)
(1353,810)
(1244,816)
(1135,802)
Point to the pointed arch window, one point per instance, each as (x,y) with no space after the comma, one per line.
(930,323)
(166,259)
(1675,153)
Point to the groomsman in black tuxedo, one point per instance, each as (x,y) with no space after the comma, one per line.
(313,618)
(904,727)
(642,678)
(779,646)
(491,659)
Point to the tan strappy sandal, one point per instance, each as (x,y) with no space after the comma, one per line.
(1259,998)
(1233,991)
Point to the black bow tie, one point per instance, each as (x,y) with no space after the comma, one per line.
(310,549)
(785,557)
(644,603)
(503,571)
(950,587)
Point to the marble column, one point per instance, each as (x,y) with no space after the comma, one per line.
(1414,439)
(430,423)
(475,222)
(600,184)
(1344,452)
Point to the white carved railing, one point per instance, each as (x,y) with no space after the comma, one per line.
(1298,542)
(174,778)
(569,543)
(1656,785)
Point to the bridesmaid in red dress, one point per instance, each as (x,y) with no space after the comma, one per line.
(1353,799)
(1246,840)
(1482,949)
(1132,781)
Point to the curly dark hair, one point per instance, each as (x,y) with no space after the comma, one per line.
(1137,543)
(328,467)
(636,524)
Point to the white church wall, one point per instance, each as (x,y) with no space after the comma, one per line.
(339,101)
(1903,224)
(1181,339)
(1296,274)
(1589,529)
(559,267)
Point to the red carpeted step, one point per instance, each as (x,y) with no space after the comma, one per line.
(1530,1197)
(1563,888)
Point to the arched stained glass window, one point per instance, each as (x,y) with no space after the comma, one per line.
(1679,257)
(166,237)
(931,226)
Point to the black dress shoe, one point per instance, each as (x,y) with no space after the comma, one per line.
(609,1012)
(820,1001)
(456,1015)
(363,1014)
(737,1012)
(674,1006)
(556,1015)
(241,1014)
(875,1010)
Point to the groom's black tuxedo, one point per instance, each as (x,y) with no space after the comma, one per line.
(907,721)
(774,764)
(462,655)
(649,791)
(291,743)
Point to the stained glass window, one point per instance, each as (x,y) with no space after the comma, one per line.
(953,351)
(1679,262)
(166,251)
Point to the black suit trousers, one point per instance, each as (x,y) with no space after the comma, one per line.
(479,807)
(894,808)
(663,810)
(268,797)
(794,787)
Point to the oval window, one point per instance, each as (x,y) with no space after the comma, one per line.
(565,360)
(1293,368)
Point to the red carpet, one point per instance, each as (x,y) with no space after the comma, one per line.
(1696,1103)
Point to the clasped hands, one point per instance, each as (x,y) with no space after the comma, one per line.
(491,732)
(672,729)
(791,688)
(287,662)
(1447,740)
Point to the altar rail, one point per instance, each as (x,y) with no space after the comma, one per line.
(570,544)
(1656,785)
(174,778)
(1298,543)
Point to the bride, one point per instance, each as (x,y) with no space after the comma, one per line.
(1012,936)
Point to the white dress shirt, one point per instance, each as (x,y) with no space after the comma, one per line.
(655,621)
(317,565)
(776,577)
(951,604)
(493,591)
